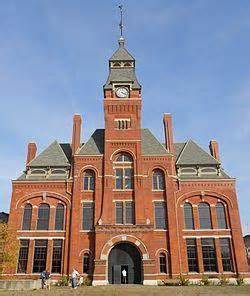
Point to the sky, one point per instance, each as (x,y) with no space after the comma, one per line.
(192,59)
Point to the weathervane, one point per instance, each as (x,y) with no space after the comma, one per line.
(121,22)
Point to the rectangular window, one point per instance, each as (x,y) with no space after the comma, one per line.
(119,178)
(128,178)
(87,216)
(129,211)
(119,212)
(209,255)
(57,256)
(226,255)
(40,256)
(192,255)
(23,256)
(160,215)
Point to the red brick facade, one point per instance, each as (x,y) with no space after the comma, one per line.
(150,242)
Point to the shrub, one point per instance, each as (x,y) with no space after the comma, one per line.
(204,280)
(86,281)
(183,281)
(64,281)
(223,280)
(240,281)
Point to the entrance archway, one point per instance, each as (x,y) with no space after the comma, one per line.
(124,256)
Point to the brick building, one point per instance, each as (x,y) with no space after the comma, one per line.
(125,201)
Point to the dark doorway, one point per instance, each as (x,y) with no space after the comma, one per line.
(124,257)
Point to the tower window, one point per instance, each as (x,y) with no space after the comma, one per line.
(158,180)
(124,173)
(88,216)
(89,180)
(160,215)
(123,124)
(124,212)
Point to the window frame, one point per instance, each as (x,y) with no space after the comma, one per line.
(160,184)
(39,219)
(124,207)
(55,250)
(89,176)
(192,255)
(226,261)
(41,256)
(90,206)
(204,219)
(86,263)
(163,268)
(188,206)
(208,249)
(60,207)
(23,256)
(220,206)
(163,207)
(28,207)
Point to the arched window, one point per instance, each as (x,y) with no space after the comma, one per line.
(204,216)
(27,215)
(124,173)
(89,180)
(123,157)
(59,219)
(43,217)
(221,216)
(163,263)
(188,216)
(158,180)
(86,263)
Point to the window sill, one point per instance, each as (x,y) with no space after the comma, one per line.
(45,231)
(122,190)
(161,230)
(87,230)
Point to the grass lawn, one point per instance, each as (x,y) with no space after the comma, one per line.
(135,290)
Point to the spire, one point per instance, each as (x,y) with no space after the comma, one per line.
(121,21)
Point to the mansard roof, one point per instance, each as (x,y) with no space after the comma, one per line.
(122,75)
(56,155)
(192,154)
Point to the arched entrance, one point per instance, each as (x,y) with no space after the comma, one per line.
(124,256)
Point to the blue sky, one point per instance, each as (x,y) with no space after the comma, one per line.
(192,60)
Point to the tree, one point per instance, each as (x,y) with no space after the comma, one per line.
(8,248)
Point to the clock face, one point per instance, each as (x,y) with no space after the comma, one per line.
(122,92)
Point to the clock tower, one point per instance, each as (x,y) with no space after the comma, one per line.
(122,97)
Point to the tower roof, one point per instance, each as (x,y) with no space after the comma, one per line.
(121,54)
(119,72)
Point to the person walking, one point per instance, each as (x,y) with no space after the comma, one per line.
(43,279)
(74,276)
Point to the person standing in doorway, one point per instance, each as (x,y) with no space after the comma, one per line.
(124,276)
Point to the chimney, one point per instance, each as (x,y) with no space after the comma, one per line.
(214,149)
(31,153)
(76,134)
(168,127)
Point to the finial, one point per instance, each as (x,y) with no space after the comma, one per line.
(121,21)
